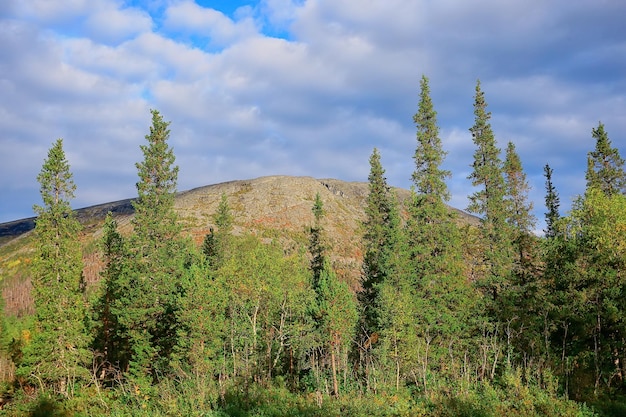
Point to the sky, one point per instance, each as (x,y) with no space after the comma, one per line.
(302,87)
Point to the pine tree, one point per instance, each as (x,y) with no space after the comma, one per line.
(552,203)
(147,307)
(489,201)
(605,166)
(58,353)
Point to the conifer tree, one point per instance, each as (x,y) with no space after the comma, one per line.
(58,353)
(552,203)
(316,245)
(523,306)
(381,229)
(216,242)
(517,188)
(108,342)
(429,178)
(605,166)
(442,297)
(147,307)
(489,201)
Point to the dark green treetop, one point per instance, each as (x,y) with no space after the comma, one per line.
(428,176)
(552,203)
(605,166)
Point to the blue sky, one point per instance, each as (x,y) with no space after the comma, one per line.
(305,87)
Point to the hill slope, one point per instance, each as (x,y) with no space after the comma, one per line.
(270,207)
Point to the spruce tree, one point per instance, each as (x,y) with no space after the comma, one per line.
(316,245)
(58,354)
(489,201)
(552,203)
(442,297)
(216,243)
(605,166)
(156,259)
(522,306)
(108,342)
(381,229)
(520,209)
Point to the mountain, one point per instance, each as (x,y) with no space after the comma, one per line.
(270,207)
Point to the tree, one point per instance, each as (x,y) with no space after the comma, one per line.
(57,356)
(108,342)
(442,297)
(146,309)
(428,177)
(381,229)
(605,166)
(489,201)
(215,243)
(316,245)
(380,240)
(517,188)
(552,204)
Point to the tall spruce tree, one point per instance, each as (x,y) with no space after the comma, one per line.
(522,306)
(552,203)
(147,307)
(58,353)
(381,230)
(605,166)
(442,296)
(489,201)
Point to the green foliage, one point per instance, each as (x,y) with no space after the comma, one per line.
(552,203)
(428,177)
(381,233)
(154,263)
(605,166)
(216,243)
(489,201)
(58,353)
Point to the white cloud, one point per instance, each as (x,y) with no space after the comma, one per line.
(302,87)
(191,19)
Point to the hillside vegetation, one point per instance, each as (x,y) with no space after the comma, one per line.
(285,296)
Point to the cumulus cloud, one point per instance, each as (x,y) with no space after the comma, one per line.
(301,87)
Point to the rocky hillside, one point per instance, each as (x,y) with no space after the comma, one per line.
(270,207)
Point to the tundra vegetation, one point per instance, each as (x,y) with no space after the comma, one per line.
(449,318)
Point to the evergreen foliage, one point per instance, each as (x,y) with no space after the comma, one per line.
(552,203)
(468,320)
(605,166)
(380,237)
(215,245)
(108,341)
(57,356)
(443,298)
(146,309)
(490,200)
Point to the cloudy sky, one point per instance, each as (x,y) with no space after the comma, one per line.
(301,87)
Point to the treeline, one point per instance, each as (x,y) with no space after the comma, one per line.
(451,319)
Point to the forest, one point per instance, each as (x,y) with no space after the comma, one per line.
(450,318)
